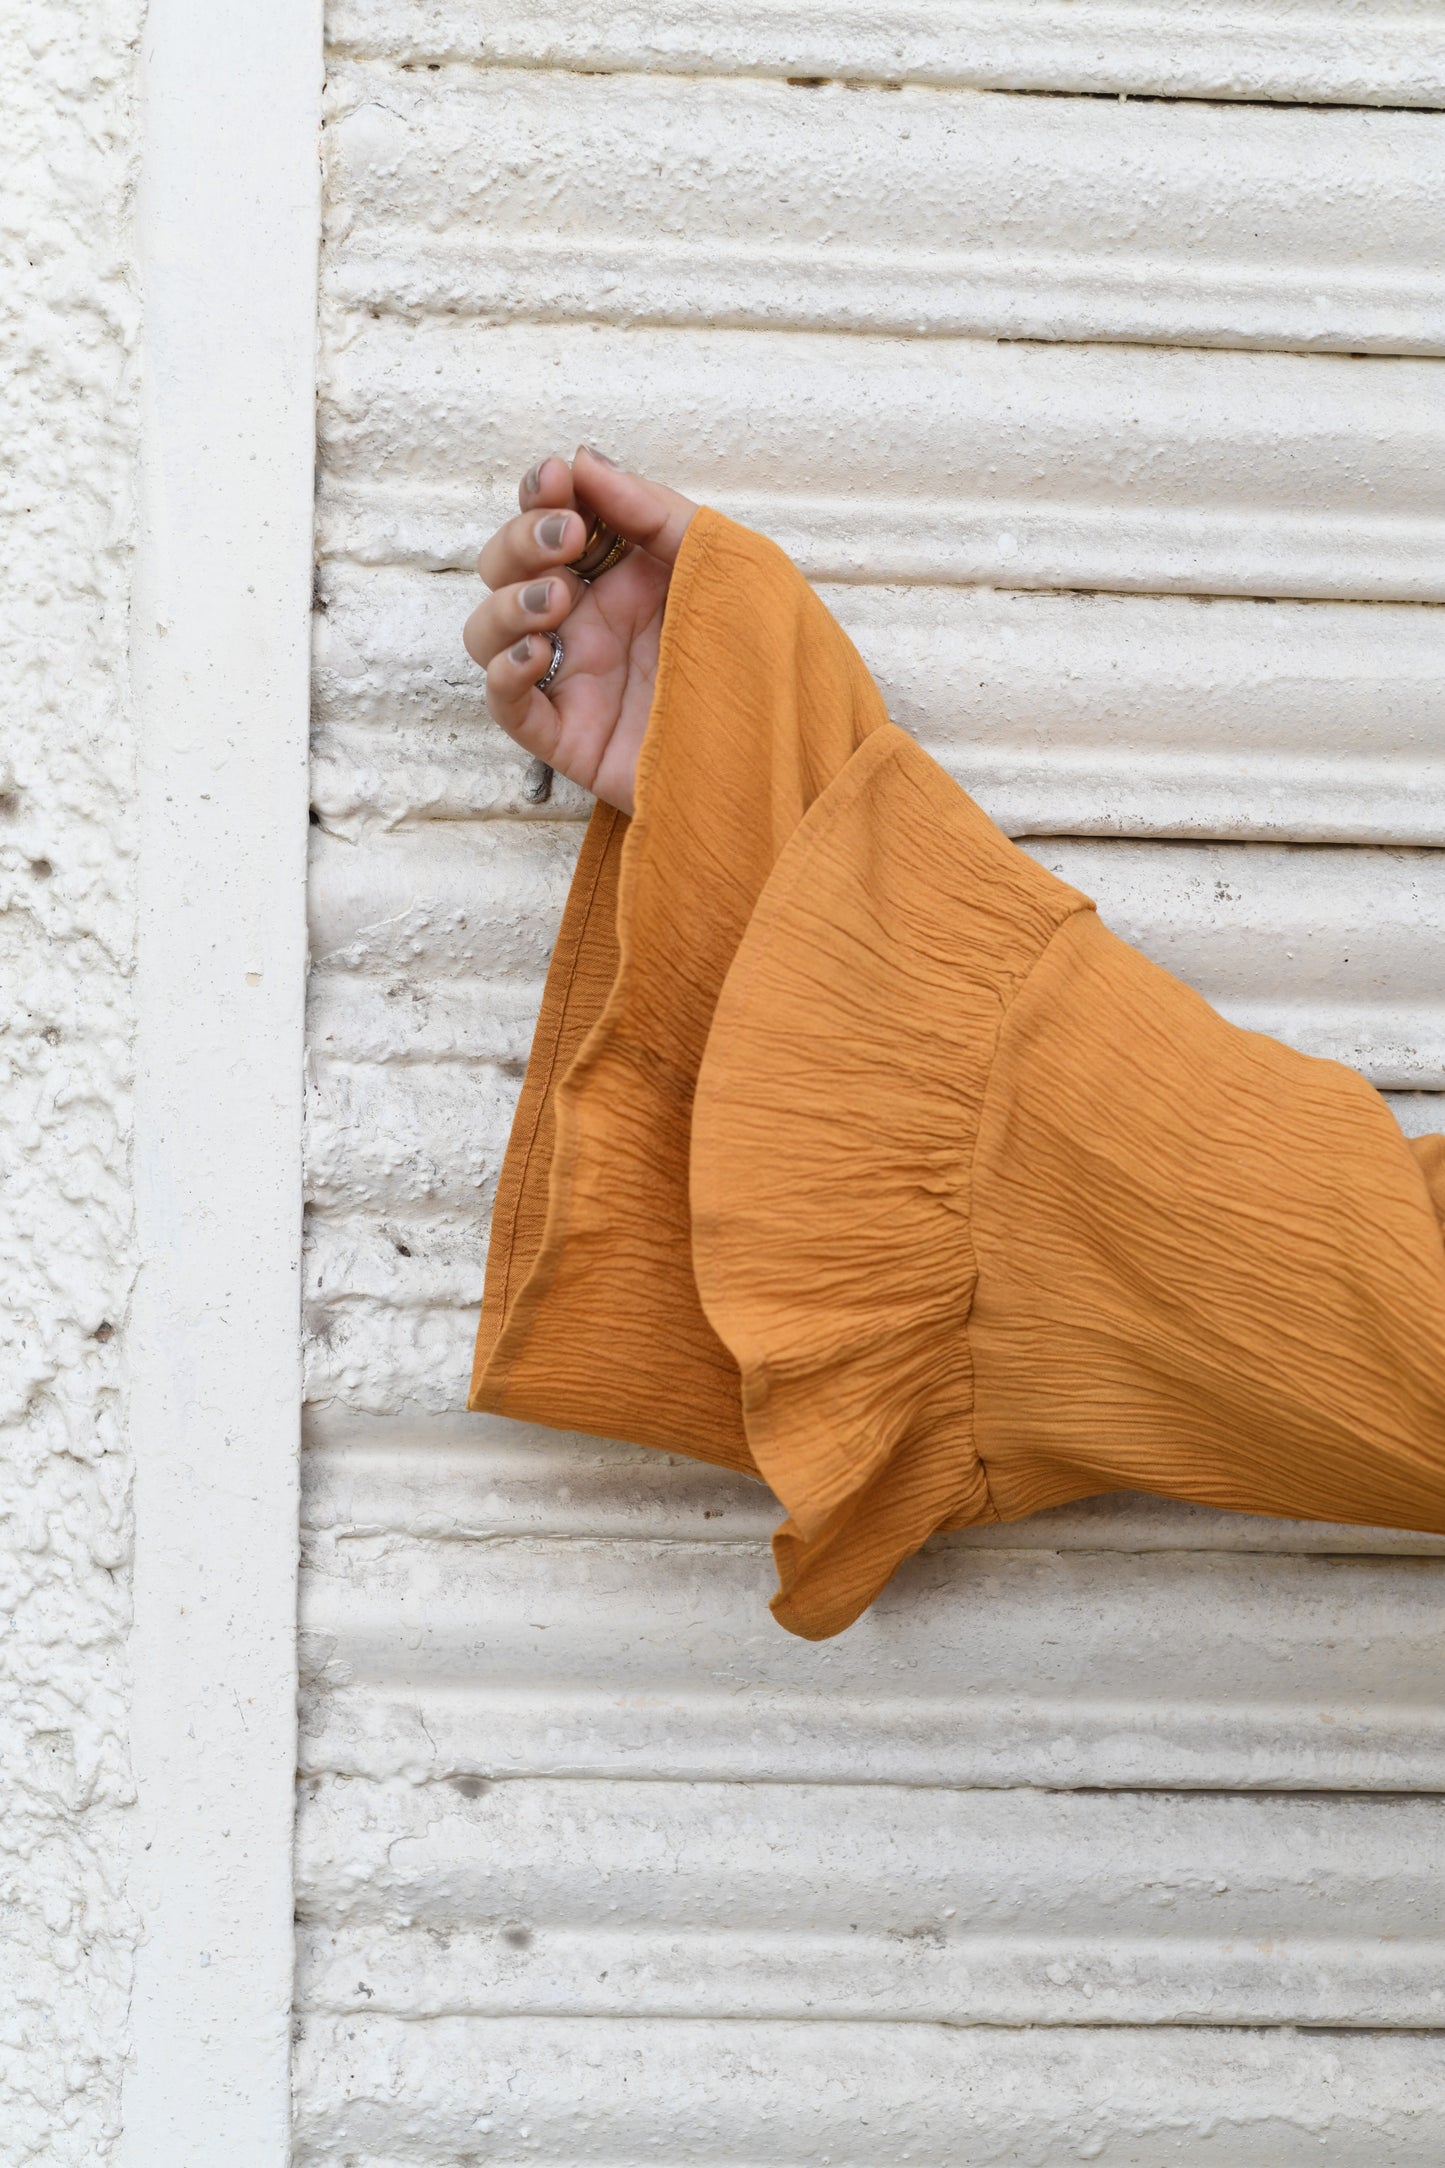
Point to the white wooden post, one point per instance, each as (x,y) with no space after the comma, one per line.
(229,223)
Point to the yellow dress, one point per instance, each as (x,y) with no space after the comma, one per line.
(855,1152)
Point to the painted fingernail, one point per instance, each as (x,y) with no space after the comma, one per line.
(551,530)
(522,651)
(536,598)
(601,457)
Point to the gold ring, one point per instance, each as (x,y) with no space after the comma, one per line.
(603,549)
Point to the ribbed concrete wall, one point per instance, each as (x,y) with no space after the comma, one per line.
(1320,51)
(1112,432)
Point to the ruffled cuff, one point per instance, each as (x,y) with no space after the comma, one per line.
(734,1219)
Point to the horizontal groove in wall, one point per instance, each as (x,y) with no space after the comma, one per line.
(479,1478)
(385,2091)
(1055,1669)
(946,461)
(422,1140)
(364,1260)
(384,1357)
(742,203)
(1329,50)
(478,903)
(1336,951)
(1110,714)
(778,1901)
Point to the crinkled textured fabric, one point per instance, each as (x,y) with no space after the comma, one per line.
(855,1152)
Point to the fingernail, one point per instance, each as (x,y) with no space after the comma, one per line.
(601,457)
(522,650)
(551,530)
(536,597)
(532,479)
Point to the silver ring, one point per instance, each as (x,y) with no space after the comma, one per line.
(554,665)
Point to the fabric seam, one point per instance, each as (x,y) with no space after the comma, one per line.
(1006,1008)
(546,1081)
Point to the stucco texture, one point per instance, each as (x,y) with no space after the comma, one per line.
(67,429)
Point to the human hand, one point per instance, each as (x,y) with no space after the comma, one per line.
(589,723)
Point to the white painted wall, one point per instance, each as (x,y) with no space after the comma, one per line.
(1326,51)
(159,210)
(229,215)
(592,1862)
(68,426)
(1112,431)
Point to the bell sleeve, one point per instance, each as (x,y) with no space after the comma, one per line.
(854,1153)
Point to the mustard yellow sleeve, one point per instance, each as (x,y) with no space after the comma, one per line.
(1209,1266)
(856,1154)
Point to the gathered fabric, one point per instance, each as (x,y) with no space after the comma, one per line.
(857,1154)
